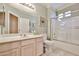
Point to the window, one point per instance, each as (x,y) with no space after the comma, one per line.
(65,14)
(68,13)
(60,15)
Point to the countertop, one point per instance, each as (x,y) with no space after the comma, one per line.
(18,38)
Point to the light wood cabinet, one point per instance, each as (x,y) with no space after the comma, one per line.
(10,49)
(12,52)
(15,52)
(7,53)
(39,46)
(28,50)
(26,47)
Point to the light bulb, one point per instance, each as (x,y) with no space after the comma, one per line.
(30,4)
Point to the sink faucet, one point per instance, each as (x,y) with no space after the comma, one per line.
(23,35)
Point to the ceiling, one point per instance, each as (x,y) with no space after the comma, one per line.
(56,5)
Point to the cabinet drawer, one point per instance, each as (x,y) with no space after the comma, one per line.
(8,46)
(26,42)
(13,52)
(5,46)
(15,44)
(8,53)
(28,50)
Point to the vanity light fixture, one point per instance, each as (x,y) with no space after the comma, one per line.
(29,5)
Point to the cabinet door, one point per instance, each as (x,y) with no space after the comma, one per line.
(39,46)
(8,53)
(28,50)
(14,52)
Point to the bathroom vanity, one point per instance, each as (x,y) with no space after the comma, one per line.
(14,20)
(31,45)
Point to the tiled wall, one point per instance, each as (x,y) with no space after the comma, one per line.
(68,28)
(68,31)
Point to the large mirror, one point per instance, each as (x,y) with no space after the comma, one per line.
(15,18)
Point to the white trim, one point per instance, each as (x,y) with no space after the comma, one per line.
(13,13)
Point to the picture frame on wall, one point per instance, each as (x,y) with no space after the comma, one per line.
(42,21)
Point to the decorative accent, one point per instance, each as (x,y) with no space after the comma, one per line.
(28,5)
(42,21)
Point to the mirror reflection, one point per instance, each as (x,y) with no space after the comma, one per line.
(15,18)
